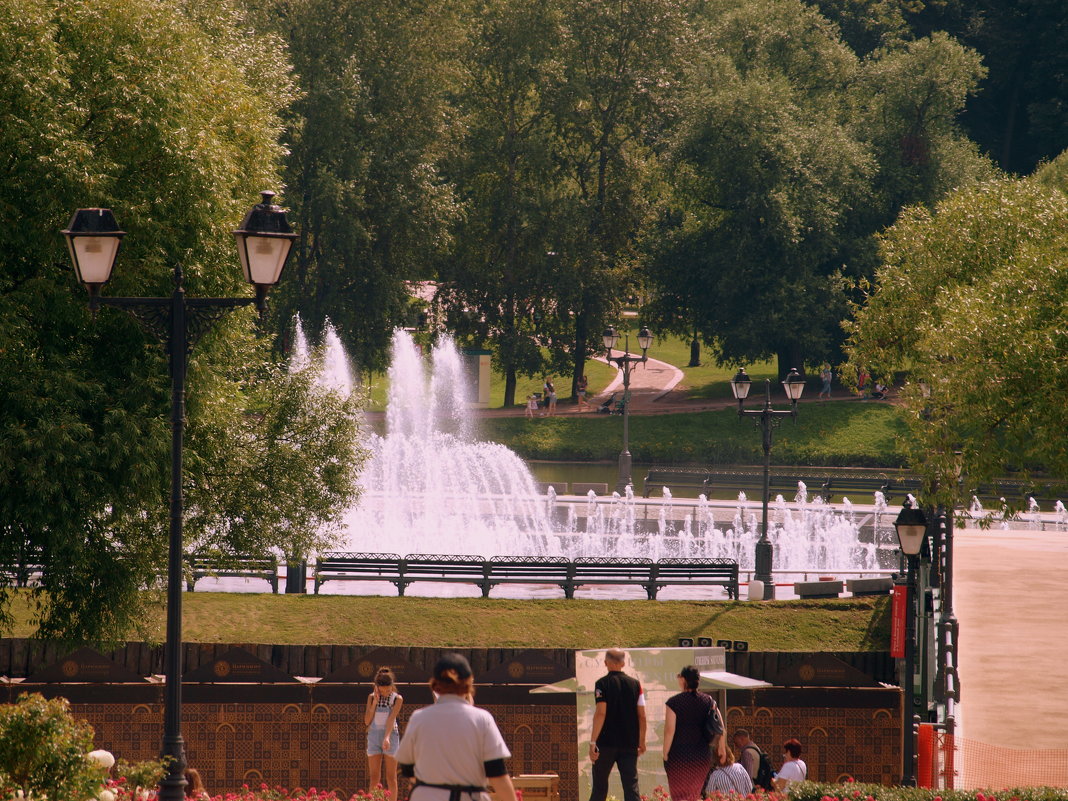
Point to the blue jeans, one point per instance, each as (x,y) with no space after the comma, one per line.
(627,760)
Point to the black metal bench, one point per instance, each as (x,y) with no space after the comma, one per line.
(358,567)
(458,568)
(722,572)
(199,567)
(609,570)
(530,570)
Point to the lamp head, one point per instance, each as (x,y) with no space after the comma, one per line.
(740,385)
(911,527)
(794,385)
(93,239)
(645,339)
(264,242)
(610,338)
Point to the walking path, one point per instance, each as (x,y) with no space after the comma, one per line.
(1011,600)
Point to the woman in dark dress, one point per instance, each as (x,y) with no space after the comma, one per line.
(687,758)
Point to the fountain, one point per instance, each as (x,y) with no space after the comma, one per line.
(430,486)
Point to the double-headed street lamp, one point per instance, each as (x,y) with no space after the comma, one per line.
(625,361)
(767,418)
(911,527)
(263,244)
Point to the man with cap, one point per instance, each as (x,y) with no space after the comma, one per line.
(618,736)
(452,749)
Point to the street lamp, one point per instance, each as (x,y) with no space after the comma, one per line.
(767,418)
(625,361)
(263,243)
(911,527)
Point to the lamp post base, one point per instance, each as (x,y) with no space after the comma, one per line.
(764,553)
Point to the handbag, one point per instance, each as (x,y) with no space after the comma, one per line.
(713,723)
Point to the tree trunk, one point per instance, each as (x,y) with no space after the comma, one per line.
(509,385)
(788,355)
(695,351)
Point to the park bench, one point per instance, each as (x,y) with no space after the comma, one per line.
(722,572)
(529,570)
(358,567)
(201,565)
(456,568)
(608,570)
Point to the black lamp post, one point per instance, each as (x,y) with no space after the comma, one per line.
(626,361)
(767,418)
(911,527)
(263,244)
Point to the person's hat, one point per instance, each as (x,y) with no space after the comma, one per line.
(452,662)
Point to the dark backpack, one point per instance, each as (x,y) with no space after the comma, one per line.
(764,772)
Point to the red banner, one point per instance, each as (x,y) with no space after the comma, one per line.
(898,612)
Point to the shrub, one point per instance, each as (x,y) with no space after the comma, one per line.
(43,751)
(854,791)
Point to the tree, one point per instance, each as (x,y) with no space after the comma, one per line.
(504,267)
(168,113)
(962,304)
(368,134)
(791,153)
(622,69)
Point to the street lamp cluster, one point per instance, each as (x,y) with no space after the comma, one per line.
(264,241)
(767,418)
(626,361)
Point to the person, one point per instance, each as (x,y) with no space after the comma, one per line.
(452,748)
(550,396)
(580,390)
(532,405)
(687,759)
(825,376)
(728,776)
(862,384)
(880,391)
(618,736)
(194,786)
(748,752)
(383,735)
(793,767)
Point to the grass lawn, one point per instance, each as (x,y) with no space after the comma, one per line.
(837,433)
(854,624)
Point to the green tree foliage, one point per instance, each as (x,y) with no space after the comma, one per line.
(167,112)
(969,302)
(367,138)
(43,751)
(503,263)
(792,152)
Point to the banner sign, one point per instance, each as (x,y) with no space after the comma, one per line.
(898,613)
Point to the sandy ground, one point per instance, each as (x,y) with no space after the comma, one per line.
(1012,603)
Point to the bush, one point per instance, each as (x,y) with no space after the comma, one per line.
(43,751)
(853,791)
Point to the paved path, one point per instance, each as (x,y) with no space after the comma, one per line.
(1011,599)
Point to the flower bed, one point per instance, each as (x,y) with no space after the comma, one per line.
(811,791)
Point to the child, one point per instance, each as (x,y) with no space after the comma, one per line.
(532,405)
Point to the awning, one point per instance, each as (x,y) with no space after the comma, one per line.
(722,680)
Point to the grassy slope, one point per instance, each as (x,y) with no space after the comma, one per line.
(859,624)
(841,433)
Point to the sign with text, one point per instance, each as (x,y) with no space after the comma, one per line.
(898,612)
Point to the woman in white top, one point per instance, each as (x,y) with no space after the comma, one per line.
(728,776)
(793,767)
(383,734)
(452,749)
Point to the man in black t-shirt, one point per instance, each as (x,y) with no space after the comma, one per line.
(618,736)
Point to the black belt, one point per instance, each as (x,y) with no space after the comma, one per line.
(455,790)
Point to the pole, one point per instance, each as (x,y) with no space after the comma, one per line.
(624,479)
(764,549)
(908,750)
(172,787)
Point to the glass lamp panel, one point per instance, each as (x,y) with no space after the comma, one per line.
(610,338)
(93,257)
(740,385)
(645,339)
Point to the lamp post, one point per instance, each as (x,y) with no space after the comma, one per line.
(263,244)
(625,361)
(911,527)
(767,418)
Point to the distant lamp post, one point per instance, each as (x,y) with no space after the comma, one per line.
(625,361)
(767,418)
(264,241)
(911,527)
